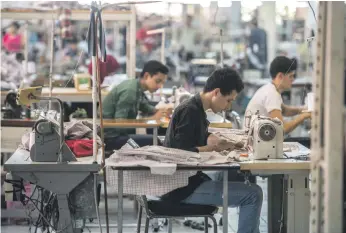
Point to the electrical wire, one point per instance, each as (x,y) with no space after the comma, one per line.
(282,205)
(96,202)
(46,209)
(313,11)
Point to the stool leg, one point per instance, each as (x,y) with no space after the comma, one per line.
(205,224)
(170,225)
(139,219)
(146,225)
(214,223)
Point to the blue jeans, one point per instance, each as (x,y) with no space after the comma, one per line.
(248,198)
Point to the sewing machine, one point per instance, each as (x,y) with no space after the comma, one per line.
(11,109)
(51,165)
(266,135)
(180,95)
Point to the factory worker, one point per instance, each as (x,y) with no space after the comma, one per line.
(188,130)
(127,99)
(268,100)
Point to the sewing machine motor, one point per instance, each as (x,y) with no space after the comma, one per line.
(268,137)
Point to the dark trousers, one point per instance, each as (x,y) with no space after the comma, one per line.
(115,143)
(160,131)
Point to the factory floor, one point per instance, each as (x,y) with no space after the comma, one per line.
(130,218)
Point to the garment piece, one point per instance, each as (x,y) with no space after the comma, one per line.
(164,154)
(146,183)
(81,129)
(123,102)
(189,119)
(81,147)
(115,143)
(265,100)
(170,155)
(106,68)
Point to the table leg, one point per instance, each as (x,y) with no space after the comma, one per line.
(120,200)
(155,135)
(275,200)
(225,202)
(65,221)
(298,203)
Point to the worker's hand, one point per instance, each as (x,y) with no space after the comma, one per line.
(159,114)
(306,115)
(168,112)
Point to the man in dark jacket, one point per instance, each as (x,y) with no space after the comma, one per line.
(188,130)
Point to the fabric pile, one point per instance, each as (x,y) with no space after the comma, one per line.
(235,136)
(169,155)
(163,176)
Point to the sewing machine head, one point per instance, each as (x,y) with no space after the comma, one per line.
(46,141)
(267,136)
(180,95)
(11,109)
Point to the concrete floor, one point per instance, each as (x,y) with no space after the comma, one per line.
(130,218)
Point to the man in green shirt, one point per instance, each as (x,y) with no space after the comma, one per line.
(125,100)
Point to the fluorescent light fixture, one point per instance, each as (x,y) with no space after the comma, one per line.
(205,3)
(88,2)
(224,3)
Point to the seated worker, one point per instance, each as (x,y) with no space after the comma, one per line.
(188,130)
(125,100)
(268,100)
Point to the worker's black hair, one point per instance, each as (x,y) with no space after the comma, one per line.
(282,64)
(72,40)
(153,67)
(15,24)
(227,79)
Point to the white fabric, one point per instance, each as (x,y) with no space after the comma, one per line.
(265,100)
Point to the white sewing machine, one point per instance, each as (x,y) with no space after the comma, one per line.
(180,95)
(266,136)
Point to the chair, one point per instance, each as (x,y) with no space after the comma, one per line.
(163,209)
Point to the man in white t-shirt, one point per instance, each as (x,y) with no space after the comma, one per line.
(268,101)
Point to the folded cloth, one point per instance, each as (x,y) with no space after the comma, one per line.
(81,147)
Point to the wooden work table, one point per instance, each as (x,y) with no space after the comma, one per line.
(17,123)
(148,123)
(70,94)
(212,124)
(126,123)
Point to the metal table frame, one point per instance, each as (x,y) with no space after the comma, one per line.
(223,168)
